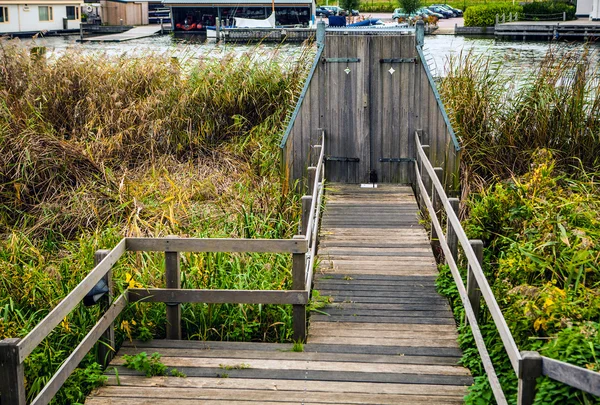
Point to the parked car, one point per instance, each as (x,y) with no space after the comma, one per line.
(445,13)
(334,10)
(320,11)
(425,12)
(400,13)
(456,11)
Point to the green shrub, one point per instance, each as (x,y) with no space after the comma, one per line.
(378,7)
(548,10)
(485,15)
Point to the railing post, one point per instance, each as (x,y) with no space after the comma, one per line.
(106,345)
(299,283)
(12,377)
(425,179)
(217,29)
(472,288)
(173,280)
(306,203)
(564,16)
(312,172)
(435,199)
(497,18)
(530,368)
(451,237)
(320,32)
(420,33)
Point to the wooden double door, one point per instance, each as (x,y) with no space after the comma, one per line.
(368,112)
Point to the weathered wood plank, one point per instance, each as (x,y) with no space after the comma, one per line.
(258,395)
(219,296)
(217,245)
(434,392)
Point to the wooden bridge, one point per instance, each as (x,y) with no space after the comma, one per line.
(369,113)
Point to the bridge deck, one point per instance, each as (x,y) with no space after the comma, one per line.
(386,338)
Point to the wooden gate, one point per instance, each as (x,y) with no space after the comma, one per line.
(369,107)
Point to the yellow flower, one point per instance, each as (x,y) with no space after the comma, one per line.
(131,283)
(65,325)
(125,326)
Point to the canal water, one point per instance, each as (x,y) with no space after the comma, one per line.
(517,57)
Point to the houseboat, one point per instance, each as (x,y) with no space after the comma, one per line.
(45,16)
(193,16)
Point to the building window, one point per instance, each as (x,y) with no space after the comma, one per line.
(3,14)
(72,13)
(45,13)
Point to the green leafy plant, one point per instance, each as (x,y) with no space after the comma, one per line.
(298,347)
(150,366)
(410,6)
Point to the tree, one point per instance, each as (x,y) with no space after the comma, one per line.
(410,6)
(349,5)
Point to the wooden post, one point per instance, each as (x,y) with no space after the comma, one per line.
(299,283)
(80,32)
(218,28)
(451,237)
(306,203)
(173,280)
(564,16)
(162,27)
(320,32)
(12,377)
(530,368)
(472,288)
(420,33)
(426,180)
(435,200)
(106,345)
(312,173)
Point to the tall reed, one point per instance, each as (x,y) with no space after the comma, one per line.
(94,148)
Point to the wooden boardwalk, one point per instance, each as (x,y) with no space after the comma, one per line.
(386,338)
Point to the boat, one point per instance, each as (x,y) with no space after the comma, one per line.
(269,22)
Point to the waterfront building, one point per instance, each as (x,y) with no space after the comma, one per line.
(124,12)
(22,16)
(195,15)
(588,8)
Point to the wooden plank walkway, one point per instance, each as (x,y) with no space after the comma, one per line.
(134,33)
(386,338)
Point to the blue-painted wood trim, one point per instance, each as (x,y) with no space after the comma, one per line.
(302,95)
(438,98)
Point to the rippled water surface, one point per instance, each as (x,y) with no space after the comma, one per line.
(516,56)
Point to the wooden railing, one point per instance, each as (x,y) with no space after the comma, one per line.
(528,366)
(13,352)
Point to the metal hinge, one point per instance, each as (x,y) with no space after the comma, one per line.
(396,160)
(342,159)
(398,60)
(340,60)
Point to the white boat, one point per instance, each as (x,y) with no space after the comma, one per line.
(269,22)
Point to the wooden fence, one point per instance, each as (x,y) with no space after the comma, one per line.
(528,366)
(303,249)
(370,90)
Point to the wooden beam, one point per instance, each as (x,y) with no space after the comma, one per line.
(472,288)
(218,296)
(450,233)
(217,245)
(299,283)
(173,281)
(12,380)
(530,368)
(106,347)
(71,363)
(578,377)
(63,309)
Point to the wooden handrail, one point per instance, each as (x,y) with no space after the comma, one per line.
(71,363)
(479,342)
(13,352)
(230,245)
(312,224)
(43,329)
(509,343)
(527,365)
